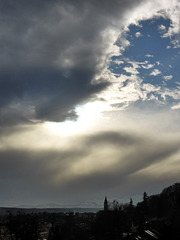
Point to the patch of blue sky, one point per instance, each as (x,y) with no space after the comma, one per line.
(148,45)
(150,41)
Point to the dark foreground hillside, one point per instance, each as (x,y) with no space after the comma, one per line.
(156,217)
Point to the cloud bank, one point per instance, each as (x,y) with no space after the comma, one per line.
(58,56)
(52,56)
(93,166)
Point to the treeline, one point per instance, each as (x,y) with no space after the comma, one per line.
(160,213)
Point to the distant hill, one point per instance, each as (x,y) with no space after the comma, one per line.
(163,204)
(9,210)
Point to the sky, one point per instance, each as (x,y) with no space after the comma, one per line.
(89,100)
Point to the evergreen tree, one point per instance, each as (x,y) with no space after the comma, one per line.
(106,205)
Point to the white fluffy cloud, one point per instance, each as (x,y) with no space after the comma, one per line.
(138,34)
(148,66)
(162,27)
(168,77)
(155,72)
(149,56)
(175,107)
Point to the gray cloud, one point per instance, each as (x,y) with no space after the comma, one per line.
(107,163)
(114,138)
(50,53)
(44,95)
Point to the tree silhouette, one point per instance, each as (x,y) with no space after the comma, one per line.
(106,205)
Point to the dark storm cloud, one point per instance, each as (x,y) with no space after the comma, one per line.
(44,95)
(50,53)
(114,138)
(78,171)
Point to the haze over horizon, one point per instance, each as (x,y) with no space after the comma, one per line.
(89,100)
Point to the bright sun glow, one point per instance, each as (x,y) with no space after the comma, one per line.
(88,115)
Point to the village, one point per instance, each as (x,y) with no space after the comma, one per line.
(155,217)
